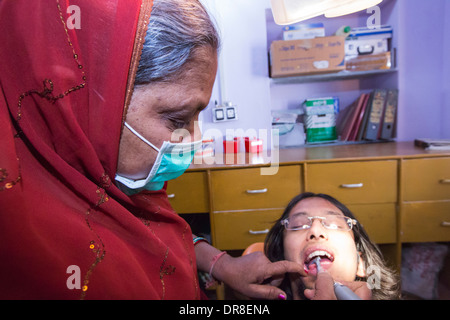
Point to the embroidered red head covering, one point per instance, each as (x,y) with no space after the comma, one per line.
(67,232)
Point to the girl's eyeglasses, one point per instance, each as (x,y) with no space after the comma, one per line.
(331,222)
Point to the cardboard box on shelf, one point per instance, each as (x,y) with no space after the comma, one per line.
(381,61)
(307,56)
(368,49)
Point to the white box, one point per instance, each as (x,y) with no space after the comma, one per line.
(362,41)
(303,31)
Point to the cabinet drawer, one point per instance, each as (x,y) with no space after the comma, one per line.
(241,189)
(188,193)
(379,221)
(426,222)
(355,182)
(237,230)
(426,179)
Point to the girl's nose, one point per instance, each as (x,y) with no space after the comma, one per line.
(317,231)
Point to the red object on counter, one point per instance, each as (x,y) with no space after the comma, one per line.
(253,145)
(231,146)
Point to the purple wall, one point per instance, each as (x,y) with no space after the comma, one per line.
(423,63)
(421,36)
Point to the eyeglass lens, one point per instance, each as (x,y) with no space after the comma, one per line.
(333,222)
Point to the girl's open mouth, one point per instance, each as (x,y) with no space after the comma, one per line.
(326,259)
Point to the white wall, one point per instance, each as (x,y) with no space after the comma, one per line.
(243,75)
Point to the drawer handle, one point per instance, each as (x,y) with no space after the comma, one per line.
(445,224)
(259,232)
(171,196)
(352,186)
(445,181)
(257,191)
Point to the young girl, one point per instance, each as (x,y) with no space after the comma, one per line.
(317,225)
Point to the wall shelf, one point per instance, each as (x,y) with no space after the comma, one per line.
(342,75)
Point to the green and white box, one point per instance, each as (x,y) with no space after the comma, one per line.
(321,106)
(321,128)
(320,119)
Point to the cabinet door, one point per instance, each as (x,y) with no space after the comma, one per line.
(426,221)
(355,182)
(241,189)
(379,221)
(426,179)
(188,193)
(237,230)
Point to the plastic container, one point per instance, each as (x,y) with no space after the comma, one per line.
(207,149)
(343,31)
(253,145)
(231,146)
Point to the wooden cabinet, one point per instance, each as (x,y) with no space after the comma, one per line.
(238,229)
(246,203)
(243,189)
(367,188)
(426,179)
(426,200)
(426,221)
(189,193)
(355,182)
(398,192)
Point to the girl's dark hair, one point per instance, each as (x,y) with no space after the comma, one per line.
(384,288)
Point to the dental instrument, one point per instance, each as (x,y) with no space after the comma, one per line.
(342,292)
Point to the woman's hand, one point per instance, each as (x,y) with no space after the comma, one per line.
(254,275)
(324,289)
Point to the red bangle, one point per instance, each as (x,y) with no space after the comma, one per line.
(214,260)
(212,281)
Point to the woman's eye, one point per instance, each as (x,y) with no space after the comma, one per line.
(177,124)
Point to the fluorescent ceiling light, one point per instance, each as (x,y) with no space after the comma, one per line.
(352,7)
(292,11)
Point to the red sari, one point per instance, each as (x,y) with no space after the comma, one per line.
(67,232)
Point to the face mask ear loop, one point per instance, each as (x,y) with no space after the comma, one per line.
(141,137)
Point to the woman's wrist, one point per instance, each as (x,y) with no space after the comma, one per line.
(211,260)
(221,267)
(205,253)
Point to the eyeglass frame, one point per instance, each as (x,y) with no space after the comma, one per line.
(350,223)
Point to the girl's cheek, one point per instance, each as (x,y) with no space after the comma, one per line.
(293,245)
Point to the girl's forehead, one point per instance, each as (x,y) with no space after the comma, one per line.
(315,205)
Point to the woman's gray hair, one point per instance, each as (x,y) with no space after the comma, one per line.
(176,29)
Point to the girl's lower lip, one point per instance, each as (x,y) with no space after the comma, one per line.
(312,270)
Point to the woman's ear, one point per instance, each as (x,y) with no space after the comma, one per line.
(361,268)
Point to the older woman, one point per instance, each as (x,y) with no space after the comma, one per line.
(90,97)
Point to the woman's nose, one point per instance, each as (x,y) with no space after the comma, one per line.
(317,231)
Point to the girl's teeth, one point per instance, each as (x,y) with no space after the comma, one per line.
(318,253)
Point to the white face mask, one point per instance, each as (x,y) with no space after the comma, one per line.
(172,161)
